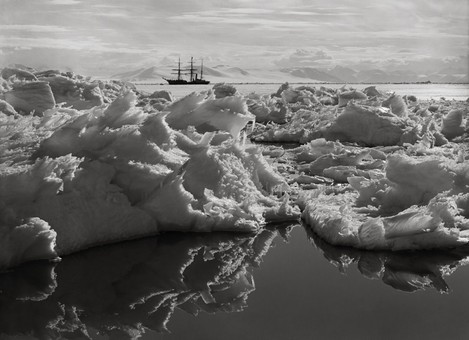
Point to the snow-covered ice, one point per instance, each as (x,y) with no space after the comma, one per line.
(85,163)
(72,179)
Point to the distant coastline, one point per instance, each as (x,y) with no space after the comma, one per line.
(319,83)
(425,91)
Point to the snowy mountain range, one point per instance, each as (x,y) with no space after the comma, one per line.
(338,74)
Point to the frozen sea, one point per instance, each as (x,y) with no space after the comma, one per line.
(421,91)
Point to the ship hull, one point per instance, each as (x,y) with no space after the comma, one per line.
(185,82)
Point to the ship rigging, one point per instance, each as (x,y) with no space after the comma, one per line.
(191,71)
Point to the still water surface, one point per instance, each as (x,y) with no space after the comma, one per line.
(421,91)
(281,284)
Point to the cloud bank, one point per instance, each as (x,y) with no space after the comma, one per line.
(103,37)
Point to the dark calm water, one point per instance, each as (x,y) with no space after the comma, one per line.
(275,285)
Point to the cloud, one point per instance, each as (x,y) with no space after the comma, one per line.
(303,57)
(330,12)
(244,33)
(64,2)
(109,14)
(240,18)
(22,48)
(89,44)
(241,11)
(34,28)
(428,65)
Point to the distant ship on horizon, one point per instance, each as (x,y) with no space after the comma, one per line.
(191,71)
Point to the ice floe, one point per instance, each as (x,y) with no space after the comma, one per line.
(415,204)
(72,179)
(86,162)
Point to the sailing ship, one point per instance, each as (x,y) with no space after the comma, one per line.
(191,71)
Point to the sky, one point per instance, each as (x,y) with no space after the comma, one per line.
(101,37)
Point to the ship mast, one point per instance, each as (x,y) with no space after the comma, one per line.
(178,70)
(202,69)
(192,69)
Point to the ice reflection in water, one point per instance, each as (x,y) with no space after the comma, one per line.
(408,271)
(120,290)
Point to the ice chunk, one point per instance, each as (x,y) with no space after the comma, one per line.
(31,96)
(318,166)
(122,111)
(290,95)
(346,96)
(79,203)
(371,91)
(32,240)
(268,110)
(217,181)
(305,125)
(138,180)
(182,107)
(171,206)
(282,88)
(341,173)
(429,174)
(7,108)
(284,212)
(368,126)
(407,182)
(222,90)
(317,148)
(333,219)
(78,94)
(114,172)
(419,203)
(227,114)
(109,132)
(454,124)
(337,162)
(397,105)
(163,94)
(19,74)
(92,211)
